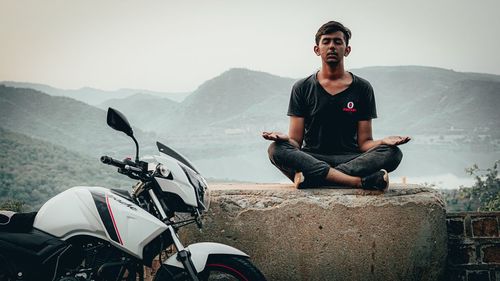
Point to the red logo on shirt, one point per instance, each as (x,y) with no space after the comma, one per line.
(350,107)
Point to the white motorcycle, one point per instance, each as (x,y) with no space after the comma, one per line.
(93,233)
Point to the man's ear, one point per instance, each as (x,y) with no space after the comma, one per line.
(347,51)
(316,50)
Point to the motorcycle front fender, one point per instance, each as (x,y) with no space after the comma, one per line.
(201,251)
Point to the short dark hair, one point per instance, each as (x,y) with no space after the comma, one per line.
(331,27)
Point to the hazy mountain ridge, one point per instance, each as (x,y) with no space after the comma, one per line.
(410,99)
(452,117)
(93,96)
(231,101)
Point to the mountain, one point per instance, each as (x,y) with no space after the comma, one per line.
(423,100)
(410,100)
(93,96)
(32,170)
(235,92)
(451,116)
(238,100)
(66,122)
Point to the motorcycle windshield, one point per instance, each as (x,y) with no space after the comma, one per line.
(172,153)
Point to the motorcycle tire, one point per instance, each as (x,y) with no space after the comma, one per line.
(220,268)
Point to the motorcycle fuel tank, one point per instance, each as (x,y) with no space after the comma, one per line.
(98,212)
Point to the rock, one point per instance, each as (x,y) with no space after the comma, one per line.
(330,233)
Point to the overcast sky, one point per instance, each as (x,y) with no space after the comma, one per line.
(177,45)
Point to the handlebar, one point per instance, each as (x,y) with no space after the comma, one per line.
(110,161)
(127,167)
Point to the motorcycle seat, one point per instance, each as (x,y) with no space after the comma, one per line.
(16,222)
(34,240)
(34,250)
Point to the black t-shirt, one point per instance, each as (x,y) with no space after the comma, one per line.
(331,121)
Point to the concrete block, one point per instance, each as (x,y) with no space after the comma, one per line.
(330,234)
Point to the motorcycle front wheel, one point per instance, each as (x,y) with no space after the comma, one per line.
(218,267)
(229,268)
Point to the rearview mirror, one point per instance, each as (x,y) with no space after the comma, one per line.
(119,122)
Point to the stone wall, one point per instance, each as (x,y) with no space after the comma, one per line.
(330,234)
(474,246)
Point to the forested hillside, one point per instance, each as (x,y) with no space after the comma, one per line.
(32,170)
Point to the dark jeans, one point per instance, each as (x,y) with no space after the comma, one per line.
(289,159)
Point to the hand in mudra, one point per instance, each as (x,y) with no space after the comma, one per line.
(395,140)
(275,136)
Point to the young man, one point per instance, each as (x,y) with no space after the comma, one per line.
(330,134)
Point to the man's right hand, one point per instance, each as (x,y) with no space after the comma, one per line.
(275,136)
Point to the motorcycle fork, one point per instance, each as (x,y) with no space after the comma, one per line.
(183,255)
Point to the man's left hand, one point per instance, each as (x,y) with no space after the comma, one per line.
(396,140)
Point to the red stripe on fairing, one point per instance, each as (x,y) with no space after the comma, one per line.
(240,275)
(113,219)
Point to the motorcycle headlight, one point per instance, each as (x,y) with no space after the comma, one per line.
(163,171)
(200,186)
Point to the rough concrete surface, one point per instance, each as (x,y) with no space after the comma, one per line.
(330,233)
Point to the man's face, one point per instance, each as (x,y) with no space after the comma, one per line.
(332,47)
